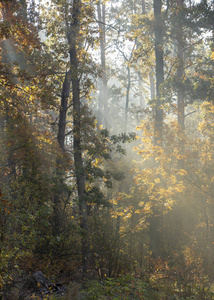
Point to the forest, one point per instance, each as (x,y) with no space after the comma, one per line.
(107,149)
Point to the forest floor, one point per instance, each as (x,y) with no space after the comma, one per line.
(123,287)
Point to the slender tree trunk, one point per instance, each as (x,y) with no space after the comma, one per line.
(155,220)
(116,251)
(78,161)
(143,5)
(152,90)
(180,94)
(159,72)
(180,90)
(63,109)
(127,98)
(130,245)
(155,234)
(23,9)
(141,96)
(103,99)
(57,207)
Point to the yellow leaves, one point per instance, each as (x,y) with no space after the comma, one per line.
(130,211)
(163,186)
(96,163)
(139,128)
(129,215)
(147,207)
(120,213)
(158,175)
(135,148)
(182,172)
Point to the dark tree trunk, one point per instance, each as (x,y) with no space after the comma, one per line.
(103,99)
(159,72)
(155,220)
(180,90)
(78,161)
(152,90)
(57,207)
(127,98)
(63,109)
(155,234)
(23,9)
(143,7)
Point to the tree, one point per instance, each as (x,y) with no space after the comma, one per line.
(159,71)
(155,219)
(73,40)
(27,144)
(60,168)
(103,97)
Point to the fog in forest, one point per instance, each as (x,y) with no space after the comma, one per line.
(106,153)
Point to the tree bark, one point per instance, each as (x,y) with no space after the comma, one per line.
(143,5)
(159,72)
(57,205)
(23,9)
(155,220)
(63,110)
(127,98)
(103,99)
(78,161)
(180,90)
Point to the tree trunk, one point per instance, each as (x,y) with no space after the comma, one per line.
(180,90)
(78,161)
(23,9)
(59,162)
(155,234)
(152,90)
(143,7)
(159,72)
(155,220)
(63,109)
(127,98)
(103,99)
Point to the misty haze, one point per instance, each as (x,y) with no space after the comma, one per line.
(106,149)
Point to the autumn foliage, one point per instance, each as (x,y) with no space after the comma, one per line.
(128,215)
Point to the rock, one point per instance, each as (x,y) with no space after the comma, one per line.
(39,285)
(42,283)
